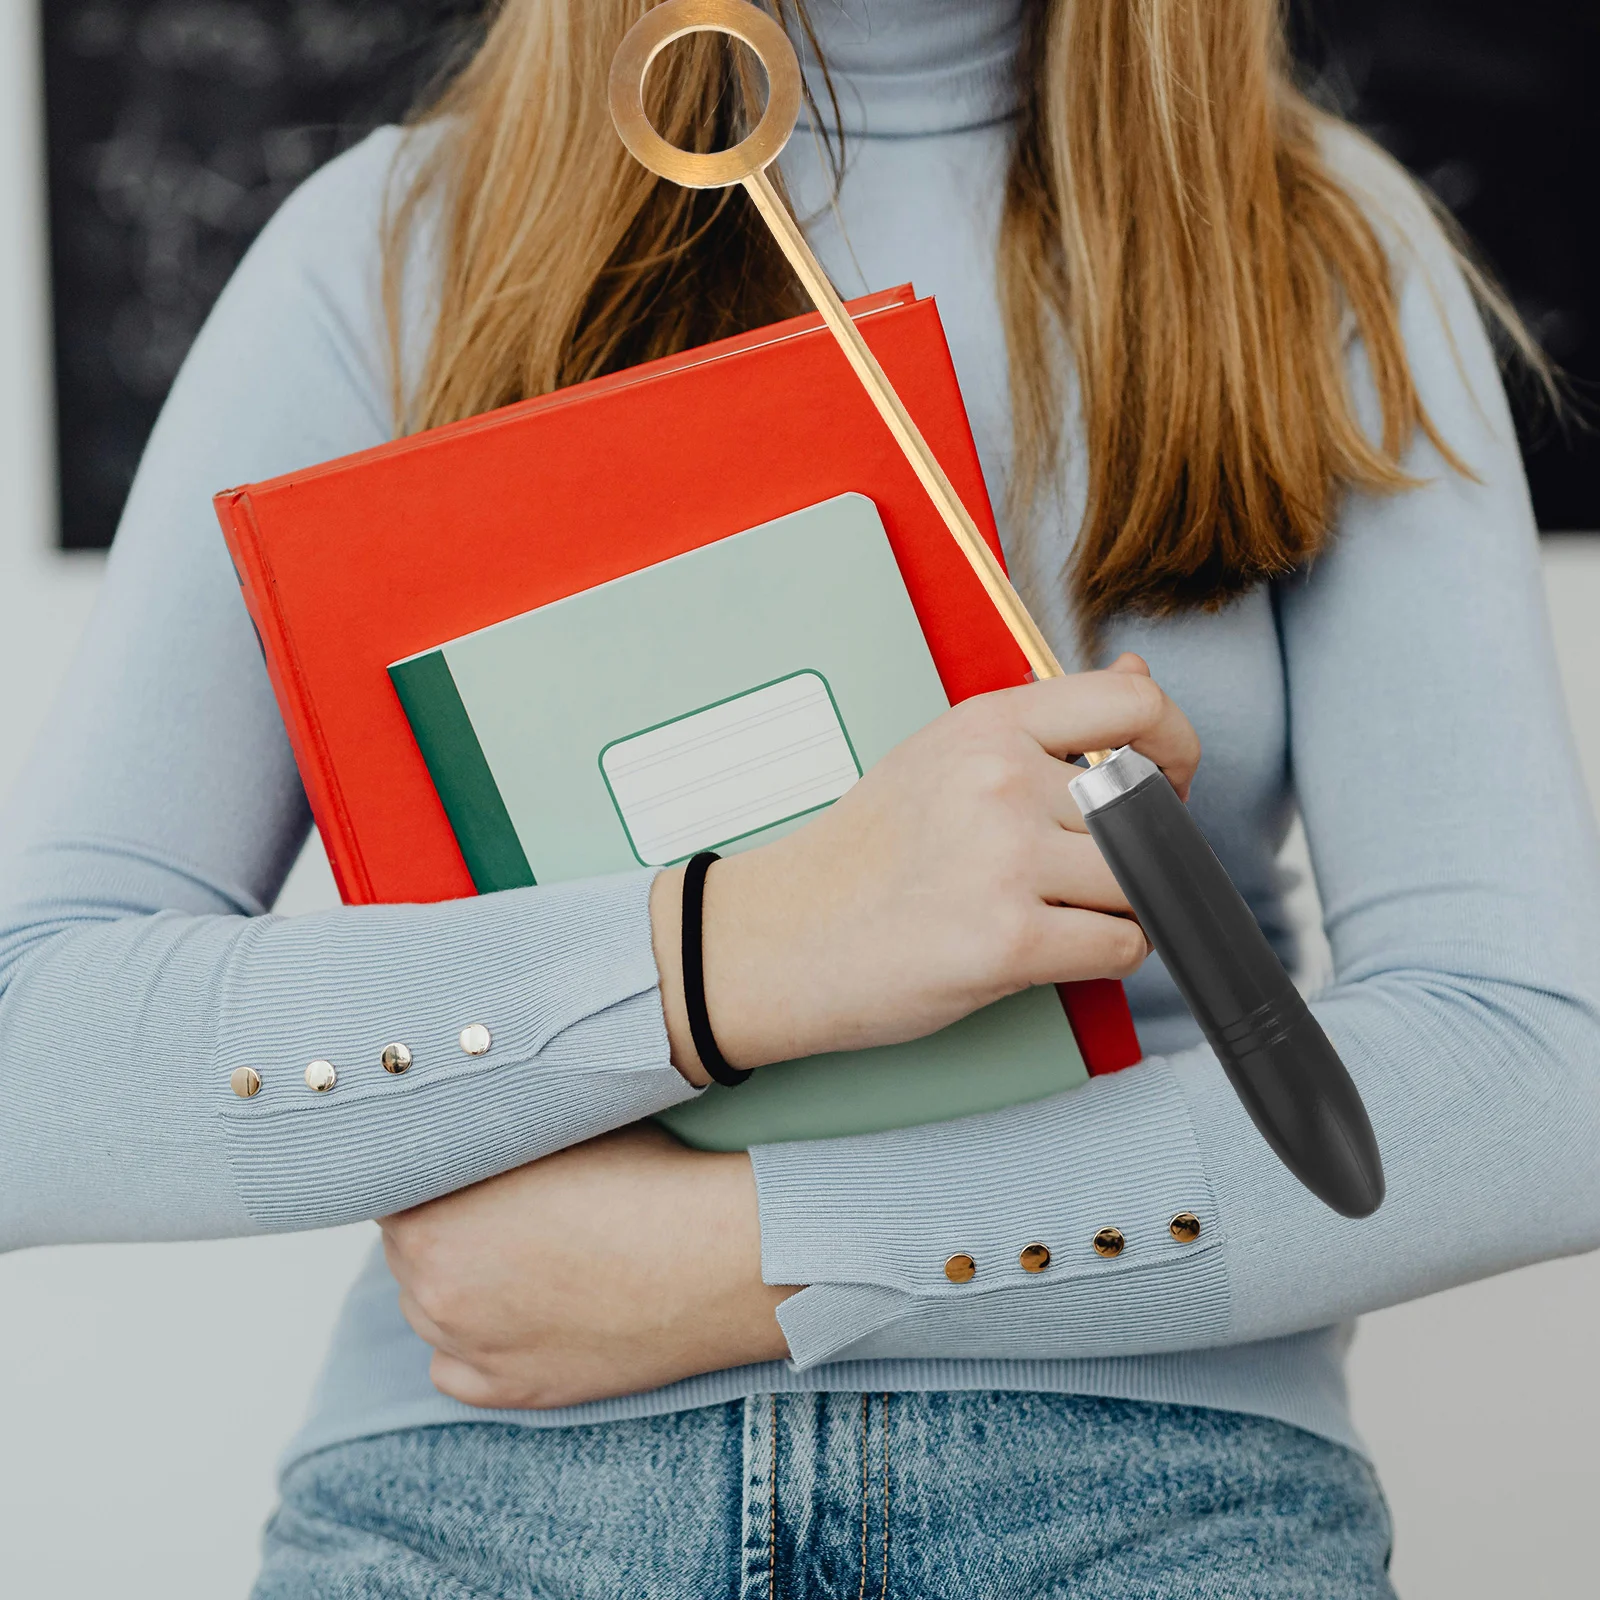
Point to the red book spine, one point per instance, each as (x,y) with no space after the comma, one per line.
(1102,1024)
(276,638)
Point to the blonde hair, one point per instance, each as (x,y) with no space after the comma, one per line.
(1169,223)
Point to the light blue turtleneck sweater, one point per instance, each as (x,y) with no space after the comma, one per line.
(1401,693)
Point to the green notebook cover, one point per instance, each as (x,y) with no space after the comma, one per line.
(715,701)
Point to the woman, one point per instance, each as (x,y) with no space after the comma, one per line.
(1251,430)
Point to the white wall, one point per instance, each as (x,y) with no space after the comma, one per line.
(145,1390)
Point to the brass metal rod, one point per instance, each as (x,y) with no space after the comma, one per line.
(746,163)
(1030,640)
(906,433)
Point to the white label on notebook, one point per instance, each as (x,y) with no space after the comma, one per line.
(731,769)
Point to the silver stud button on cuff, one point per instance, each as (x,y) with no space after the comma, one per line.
(476,1039)
(321,1076)
(396,1059)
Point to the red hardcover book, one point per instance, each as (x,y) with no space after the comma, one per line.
(352,564)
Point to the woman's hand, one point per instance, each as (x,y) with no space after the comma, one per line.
(956,872)
(609,1268)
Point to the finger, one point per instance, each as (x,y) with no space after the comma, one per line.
(1059,798)
(425,1328)
(1072,872)
(461,1381)
(1073,944)
(1129,662)
(394,1250)
(1102,710)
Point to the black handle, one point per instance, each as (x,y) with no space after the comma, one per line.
(1274,1051)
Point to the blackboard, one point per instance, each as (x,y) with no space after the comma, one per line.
(1497,109)
(175,129)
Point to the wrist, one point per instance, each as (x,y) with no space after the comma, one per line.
(748,926)
(752,941)
(666,937)
(740,1303)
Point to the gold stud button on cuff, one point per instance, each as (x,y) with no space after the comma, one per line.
(396,1059)
(1109,1243)
(1034,1258)
(961,1269)
(476,1039)
(1185,1227)
(246,1082)
(320,1076)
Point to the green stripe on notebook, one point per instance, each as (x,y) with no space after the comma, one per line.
(471,798)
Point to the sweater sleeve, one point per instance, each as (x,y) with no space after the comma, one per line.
(154,825)
(1454,849)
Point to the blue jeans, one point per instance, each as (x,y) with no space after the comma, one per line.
(839,1497)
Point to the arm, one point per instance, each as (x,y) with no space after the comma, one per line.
(156,821)
(1454,848)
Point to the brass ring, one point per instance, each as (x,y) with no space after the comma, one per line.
(650,35)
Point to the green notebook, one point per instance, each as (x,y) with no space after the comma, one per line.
(714,702)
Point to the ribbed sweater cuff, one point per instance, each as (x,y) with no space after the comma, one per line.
(870,1222)
(564,982)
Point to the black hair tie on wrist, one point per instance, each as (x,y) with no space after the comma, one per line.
(694,973)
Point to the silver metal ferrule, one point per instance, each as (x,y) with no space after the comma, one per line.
(1115,776)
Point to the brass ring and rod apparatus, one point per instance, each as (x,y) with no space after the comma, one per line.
(1275,1053)
(746,164)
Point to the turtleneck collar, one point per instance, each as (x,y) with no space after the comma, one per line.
(914,66)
